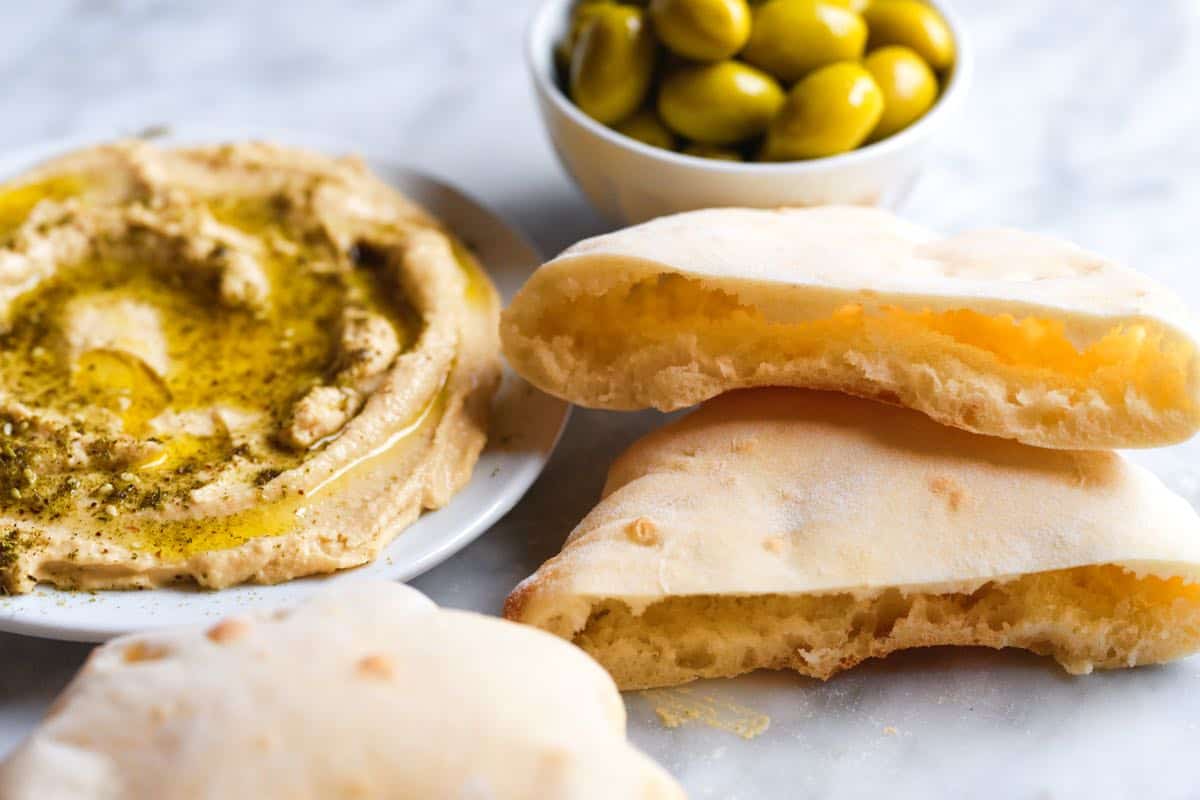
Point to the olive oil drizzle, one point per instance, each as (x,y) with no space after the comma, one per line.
(183,537)
(16,202)
(479,291)
(258,362)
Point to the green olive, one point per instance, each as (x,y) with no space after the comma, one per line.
(647,128)
(713,151)
(831,111)
(612,64)
(579,15)
(719,103)
(790,38)
(913,24)
(703,30)
(908,84)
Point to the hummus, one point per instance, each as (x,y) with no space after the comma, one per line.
(226,364)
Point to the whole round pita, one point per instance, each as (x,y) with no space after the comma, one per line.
(367,691)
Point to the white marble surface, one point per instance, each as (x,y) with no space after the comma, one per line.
(1082,122)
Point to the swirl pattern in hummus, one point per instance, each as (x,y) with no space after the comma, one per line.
(225,364)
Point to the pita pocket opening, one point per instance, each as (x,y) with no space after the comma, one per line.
(791,529)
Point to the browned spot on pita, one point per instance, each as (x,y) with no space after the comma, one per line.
(642,531)
(228,630)
(948,488)
(144,651)
(377,666)
(355,788)
(264,742)
(554,764)
(774,544)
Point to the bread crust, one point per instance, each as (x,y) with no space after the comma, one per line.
(672,312)
(778,513)
(366,691)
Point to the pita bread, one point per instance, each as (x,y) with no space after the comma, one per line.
(996,332)
(782,528)
(364,692)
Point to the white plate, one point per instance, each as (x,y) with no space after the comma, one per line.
(525,428)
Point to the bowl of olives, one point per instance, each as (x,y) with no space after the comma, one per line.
(661,106)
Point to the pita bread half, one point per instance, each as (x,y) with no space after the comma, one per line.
(366,691)
(997,332)
(782,528)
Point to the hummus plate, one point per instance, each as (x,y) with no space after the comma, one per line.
(525,427)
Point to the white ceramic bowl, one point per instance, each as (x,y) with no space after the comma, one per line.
(630,182)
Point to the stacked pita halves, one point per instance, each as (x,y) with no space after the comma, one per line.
(801,529)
